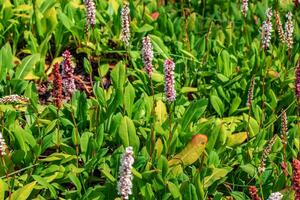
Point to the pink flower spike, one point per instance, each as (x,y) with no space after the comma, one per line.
(170,91)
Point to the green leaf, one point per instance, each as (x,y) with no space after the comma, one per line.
(194,111)
(129,98)
(145,28)
(118,75)
(217,104)
(235,104)
(24,192)
(217,174)
(127,133)
(159,46)
(4,188)
(84,141)
(44,183)
(75,181)
(26,66)
(6,61)
(174,190)
(213,135)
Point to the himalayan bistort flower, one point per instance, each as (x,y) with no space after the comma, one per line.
(57,88)
(253,193)
(244,7)
(296,178)
(289,29)
(284,128)
(297,80)
(266,31)
(14,98)
(147,55)
(68,75)
(170,91)
(279,27)
(250,92)
(265,154)
(125,22)
(91,14)
(125,175)
(2,145)
(275,196)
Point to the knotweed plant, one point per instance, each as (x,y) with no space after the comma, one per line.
(125,23)
(279,27)
(244,7)
(147,56)
(125,174)
(275,196)
(266,29)
(90,14)
(68,75)
(289,29)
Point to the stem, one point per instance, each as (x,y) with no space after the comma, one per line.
(76,137)
(170,127)
(6,176)
(153,120)
(298,124)
(263,104)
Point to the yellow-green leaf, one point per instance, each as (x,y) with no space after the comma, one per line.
(236,139)
(191,152)
(160,112)
(24,192)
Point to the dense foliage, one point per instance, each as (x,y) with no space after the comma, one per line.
(223,125)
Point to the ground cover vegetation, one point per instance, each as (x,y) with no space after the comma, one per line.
(149,99)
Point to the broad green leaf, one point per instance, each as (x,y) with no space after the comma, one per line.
(188,89)
(217,104)
(213,135)
(174,190)
(118,75)
(6,61)
(84,141)
(194,111)
(159,46)
(129,98)
(217,174)
(4,188)
(75,181)
(24,192)
(127,133)
(44,183)
(145,28)
(26,66)
(235,104)
(249,169)
(107,174)
(191,152)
